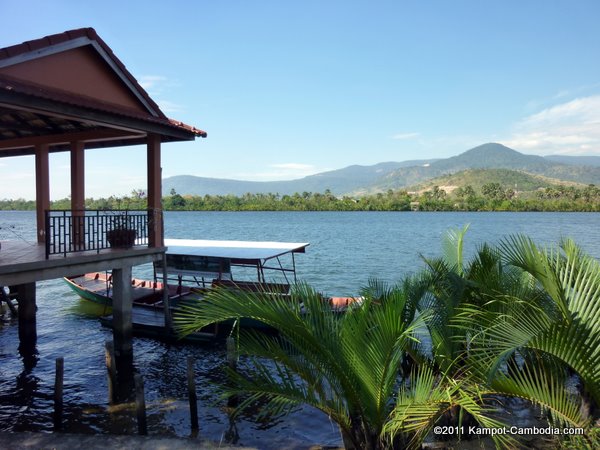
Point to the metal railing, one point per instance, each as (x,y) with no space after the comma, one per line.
(70,231)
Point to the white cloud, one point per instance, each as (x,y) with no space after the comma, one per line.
(169,107)
(571,127)
(156,86)
(148,82)
(404,136)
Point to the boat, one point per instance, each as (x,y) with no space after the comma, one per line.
(192,268)
(97,287)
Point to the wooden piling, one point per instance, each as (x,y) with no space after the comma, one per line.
(140,404)
(191,381)
(111,369)
(231,353)
(232,401)
(27,320)
(122,307)
(58,392)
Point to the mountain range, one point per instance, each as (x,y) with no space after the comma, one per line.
(359,180)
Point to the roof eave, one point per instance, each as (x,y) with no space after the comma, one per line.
(104,118)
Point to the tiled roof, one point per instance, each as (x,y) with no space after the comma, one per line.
(31,89)
(39,45)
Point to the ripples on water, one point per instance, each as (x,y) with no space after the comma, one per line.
(345,250)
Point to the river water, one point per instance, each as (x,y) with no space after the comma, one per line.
(346,249)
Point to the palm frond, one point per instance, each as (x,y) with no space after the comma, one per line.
(453,248)
(429,397)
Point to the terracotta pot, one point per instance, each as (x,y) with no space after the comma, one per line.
(122,238)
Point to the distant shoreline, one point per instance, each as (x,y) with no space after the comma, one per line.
(491,197)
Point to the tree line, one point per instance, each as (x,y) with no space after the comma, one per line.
(491,197)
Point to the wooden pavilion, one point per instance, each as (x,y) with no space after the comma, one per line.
(68,92)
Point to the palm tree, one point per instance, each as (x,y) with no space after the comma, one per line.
(523,321)
(535,346)
(513,321)
(348,366)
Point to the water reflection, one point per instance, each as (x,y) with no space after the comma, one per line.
(345,250)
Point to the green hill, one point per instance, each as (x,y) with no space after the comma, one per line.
(476,178)
(360,180)
(487,156)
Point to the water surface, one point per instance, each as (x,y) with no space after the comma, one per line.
(346,248)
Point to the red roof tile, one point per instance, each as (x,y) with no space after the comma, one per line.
(12,84)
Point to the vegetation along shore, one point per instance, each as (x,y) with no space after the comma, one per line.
(491,196)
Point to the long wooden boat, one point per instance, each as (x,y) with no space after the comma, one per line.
(194,266)
(97,287)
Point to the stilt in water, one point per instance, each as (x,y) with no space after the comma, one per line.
(58,392)
(140,405)
(27,323)
(192,395)
(123,334)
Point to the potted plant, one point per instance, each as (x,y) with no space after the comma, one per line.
(121,233)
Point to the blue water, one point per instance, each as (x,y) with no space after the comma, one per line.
(346,248)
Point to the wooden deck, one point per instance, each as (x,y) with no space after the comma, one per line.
(25,262)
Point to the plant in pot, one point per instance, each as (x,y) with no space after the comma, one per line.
(121,233)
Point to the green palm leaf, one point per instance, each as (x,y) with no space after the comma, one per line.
(345,366)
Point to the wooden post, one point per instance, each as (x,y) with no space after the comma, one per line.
(192,395)
(58,393)
(77,194)
(166,305)
(42,189)
(123,333)
(27,319)
(231,353)
(111,369)
(232,401)
(155,231)
(122,310)
(140,404)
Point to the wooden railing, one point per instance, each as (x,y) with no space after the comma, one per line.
(79,231)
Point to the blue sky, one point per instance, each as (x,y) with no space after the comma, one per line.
(290,88)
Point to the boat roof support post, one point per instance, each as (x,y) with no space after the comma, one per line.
(167,308)
(294,268)
(42,189)
(155,218)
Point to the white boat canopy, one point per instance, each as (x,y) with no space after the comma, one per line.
(235,250)
(214,259)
